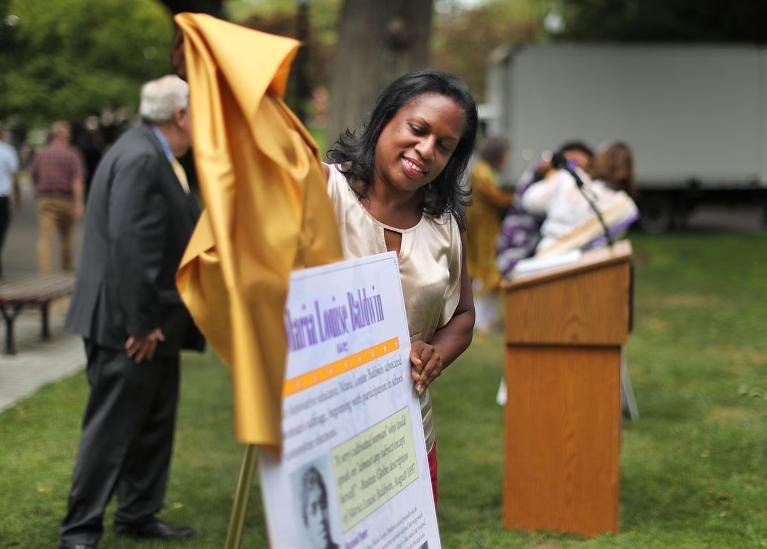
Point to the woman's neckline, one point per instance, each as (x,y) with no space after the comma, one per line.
(384,225)
(376,220)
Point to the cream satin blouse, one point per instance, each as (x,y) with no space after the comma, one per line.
(429,265)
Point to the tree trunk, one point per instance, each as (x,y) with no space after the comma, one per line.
(378,41)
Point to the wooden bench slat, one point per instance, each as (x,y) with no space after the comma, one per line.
(37,288)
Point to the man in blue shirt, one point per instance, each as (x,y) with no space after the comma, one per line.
(9,189)
(125,305)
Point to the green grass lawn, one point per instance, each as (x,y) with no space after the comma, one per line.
(693,468)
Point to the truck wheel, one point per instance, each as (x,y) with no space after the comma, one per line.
(656,214)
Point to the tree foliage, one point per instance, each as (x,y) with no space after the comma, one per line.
(73,58)
(665,20)
(212,7)
(318,32)
(279,17)
(463,39)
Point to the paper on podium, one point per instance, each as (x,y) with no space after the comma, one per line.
(538,264)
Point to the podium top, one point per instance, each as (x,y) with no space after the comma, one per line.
(584,303)
(600,257)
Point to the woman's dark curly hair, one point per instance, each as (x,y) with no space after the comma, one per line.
(355,151)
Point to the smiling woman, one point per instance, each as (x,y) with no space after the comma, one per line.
(418,143)
(394,186)
(433,118)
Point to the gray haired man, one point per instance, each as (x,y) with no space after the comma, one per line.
(139,219)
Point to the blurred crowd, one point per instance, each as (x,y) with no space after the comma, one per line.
(59,170)
(555,206)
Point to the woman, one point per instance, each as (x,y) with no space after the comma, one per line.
(570,221)
(614,165)
(484,224)
(520,229)
(394,186)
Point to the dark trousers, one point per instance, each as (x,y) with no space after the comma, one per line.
(5,221)
(126,444)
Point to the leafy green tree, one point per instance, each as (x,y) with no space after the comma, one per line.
(463,39)
(281,17)
(665,20)
(73,58)
(212,7)
(314,23)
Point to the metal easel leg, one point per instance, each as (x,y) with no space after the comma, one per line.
(628,400)
(241,495)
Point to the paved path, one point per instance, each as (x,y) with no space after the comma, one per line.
(37,362)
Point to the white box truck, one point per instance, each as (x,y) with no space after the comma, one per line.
(694,115)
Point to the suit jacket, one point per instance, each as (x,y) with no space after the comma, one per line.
(138,222)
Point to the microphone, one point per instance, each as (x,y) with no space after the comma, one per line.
(559,162)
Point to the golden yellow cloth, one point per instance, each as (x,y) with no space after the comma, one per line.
(482,226)
(267,210)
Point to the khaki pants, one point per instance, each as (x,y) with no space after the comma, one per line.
(55,214)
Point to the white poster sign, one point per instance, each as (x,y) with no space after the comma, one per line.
(353,471)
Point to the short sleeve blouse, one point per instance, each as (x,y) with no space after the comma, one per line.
(429,265)
(429,258)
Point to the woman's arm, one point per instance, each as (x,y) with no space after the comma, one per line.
(540,194)
(448,342)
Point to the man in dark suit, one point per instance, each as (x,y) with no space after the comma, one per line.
(139,219)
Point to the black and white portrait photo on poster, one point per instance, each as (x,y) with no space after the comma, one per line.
(311,487)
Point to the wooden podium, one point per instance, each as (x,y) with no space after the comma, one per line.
(564,332)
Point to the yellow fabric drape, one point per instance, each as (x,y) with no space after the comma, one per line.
(267,210)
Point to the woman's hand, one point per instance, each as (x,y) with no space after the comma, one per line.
(451,339)
(426,364)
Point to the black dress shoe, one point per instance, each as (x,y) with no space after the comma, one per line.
(154,528)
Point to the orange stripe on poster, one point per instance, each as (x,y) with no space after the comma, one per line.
(328,371)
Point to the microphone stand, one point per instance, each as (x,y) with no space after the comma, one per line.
(579,184)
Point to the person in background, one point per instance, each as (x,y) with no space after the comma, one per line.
(127,309)
(9,189)
(575,152)
(569,218)
(395,186)
(483,226)
(520,229)
(614,166)
(91,149)
(57,174)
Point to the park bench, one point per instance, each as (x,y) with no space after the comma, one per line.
(35,291)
